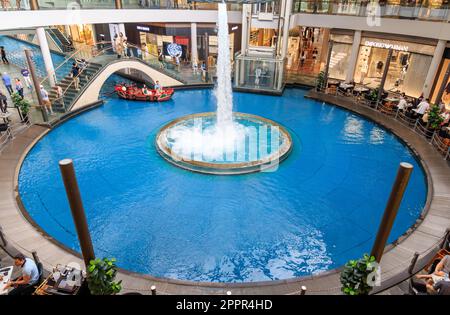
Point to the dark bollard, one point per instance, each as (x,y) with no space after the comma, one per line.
(303,290)
(153,289)
(413,262)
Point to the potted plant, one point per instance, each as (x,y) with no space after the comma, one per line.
(23,106)
(434,118)
(101,276)
(357,276)
(320,81)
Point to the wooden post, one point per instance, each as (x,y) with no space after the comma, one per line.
(76,206)
(153,289)
(398,189)
(37,86)
(118,4)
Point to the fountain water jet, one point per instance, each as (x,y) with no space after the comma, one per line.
(223,142)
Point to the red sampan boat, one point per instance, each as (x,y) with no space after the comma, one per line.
(135,93)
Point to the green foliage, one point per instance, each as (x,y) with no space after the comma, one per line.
(434,117)
(101,275)
(357,274)
(23,104)
(321,81)
(373,95)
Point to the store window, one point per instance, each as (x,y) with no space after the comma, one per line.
(407,70)
(440,82)
(340,56)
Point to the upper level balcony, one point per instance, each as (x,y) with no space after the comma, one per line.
(436,10)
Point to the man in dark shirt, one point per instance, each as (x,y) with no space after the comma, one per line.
(75,73)
(3,54)
(3,103)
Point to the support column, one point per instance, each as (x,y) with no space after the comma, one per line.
(383,78)
(327,64)
(432,71)
(246,12)
(353,57)
(194,51)
(443,85)
(122,29)
(118,4)
(286,23)
(45,50)
(34,5)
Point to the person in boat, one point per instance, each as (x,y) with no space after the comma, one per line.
(145,90)
(158,89)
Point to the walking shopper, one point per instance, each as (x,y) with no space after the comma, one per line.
(26,77)
(19,87)
(3,103)
(46,100)
(3,54)
(75,76)
(7,82)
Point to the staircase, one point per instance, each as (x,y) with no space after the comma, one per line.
(60,39)
(70,94)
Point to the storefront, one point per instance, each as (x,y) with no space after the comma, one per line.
(80,33)
(408,66)
(157,37)
(442,81)
(340,55)
(305,49)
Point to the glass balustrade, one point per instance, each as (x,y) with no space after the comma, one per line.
(402,9)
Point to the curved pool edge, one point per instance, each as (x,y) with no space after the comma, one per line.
(421,233)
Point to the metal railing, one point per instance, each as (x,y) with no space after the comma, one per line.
(415,124)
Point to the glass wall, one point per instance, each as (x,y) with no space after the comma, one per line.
(440,82)
(256,73)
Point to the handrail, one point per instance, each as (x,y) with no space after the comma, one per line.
(70,58)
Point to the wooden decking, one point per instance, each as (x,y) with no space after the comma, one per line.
(25,237)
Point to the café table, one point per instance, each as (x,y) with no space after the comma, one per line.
(6,274)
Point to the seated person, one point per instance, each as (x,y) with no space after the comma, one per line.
(441,272)
(421,108)
(403,103)
(440,288)
(157,86)
(30,276)
(145,90)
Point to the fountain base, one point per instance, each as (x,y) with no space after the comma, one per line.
(250,144)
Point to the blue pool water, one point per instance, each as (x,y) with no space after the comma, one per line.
(321,207)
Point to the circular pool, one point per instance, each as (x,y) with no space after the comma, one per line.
(318,209)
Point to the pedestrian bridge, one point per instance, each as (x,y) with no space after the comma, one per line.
(91,90)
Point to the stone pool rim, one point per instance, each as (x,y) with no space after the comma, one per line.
(232,168)
(388,248)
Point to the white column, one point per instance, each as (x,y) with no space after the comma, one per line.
(122,29)
(246,11)
(45,50)
(194,52)
(287,15)
(353,57)
(432,71)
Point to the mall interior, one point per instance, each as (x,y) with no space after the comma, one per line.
(67,71)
